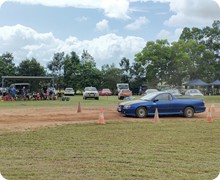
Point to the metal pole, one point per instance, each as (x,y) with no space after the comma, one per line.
(2,86)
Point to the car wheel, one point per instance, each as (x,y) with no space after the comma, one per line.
(188,112)
(141,112)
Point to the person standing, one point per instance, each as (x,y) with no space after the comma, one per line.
(13,93)
(24,93)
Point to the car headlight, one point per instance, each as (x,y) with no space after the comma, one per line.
(127,106)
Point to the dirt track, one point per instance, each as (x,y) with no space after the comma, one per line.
(28,118)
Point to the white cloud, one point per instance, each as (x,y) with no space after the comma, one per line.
(170,36)
(106,49)
(116,8)
(113,8)
(24,42)
(137,23)
(193,12)
(190,12)
(217,1)
(102,25)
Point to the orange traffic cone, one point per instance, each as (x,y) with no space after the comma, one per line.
(101,117)
(213,108)
(78,108)
(209,116)
(156,116)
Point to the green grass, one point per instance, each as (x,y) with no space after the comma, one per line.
(126,150)
(74,100)
(103,101)
(118,150)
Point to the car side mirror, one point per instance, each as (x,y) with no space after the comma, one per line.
(155,100)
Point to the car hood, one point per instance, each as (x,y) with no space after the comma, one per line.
(91,91)
(132,102)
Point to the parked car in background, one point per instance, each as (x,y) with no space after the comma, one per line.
(105,92)
(124,93)
(90,92)
(165,103)
(193,92)
(69,92)
(148,91)
(174,92)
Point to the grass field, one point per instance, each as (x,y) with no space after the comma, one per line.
(117,150)
(103,101)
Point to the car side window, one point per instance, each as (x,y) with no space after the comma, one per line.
(164,97)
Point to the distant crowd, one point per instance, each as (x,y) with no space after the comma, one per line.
(12,94)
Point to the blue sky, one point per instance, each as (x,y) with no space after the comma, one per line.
(108,29)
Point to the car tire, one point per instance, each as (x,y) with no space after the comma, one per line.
(188,112)
(97,98)
(141,112)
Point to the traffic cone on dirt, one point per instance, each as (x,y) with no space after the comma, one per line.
(213,108)
(101,117)
(209,117)
(156,116)
(78,108)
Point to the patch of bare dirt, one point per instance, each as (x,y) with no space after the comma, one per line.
(28,118)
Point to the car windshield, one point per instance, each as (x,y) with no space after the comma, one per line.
(148,97)
(174,91)
(106,90)
(125,90)
(90,89)
(194,91)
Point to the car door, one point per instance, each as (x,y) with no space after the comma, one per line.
(163,103)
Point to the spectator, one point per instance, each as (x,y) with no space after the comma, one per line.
(24,93)
(13,92)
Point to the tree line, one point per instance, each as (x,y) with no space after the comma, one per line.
(196,55)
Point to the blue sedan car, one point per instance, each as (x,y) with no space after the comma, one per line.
(166,103)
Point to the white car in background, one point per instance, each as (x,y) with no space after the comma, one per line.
(174,92)
(148,91)
(90,92)
(193,92)
(69,92)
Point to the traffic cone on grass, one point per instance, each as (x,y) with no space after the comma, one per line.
(101,117)
(209,117)
(156,116)
(78,108)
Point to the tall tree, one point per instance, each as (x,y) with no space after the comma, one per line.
(30,67)
(86,57)
(89,75)
(125,66)
(7,66)
(210,37)
(56,66)
(111,75)
(72,70)
(138,76)
(155,57)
